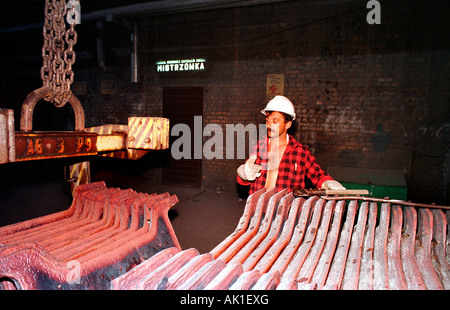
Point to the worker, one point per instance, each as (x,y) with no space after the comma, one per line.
(278,160)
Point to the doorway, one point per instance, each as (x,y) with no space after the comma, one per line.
(180,105)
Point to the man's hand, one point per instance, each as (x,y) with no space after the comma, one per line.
(332,184)
(249,171)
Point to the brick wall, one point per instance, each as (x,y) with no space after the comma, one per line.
(363,93)
(366,96)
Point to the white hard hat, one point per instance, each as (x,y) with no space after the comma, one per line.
(280,104)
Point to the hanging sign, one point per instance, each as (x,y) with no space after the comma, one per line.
(181,65)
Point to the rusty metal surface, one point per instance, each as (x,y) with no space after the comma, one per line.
(131,141)
(7,144)
(58,54)
(104,233)
(26,116)
(286,243)
(45,145)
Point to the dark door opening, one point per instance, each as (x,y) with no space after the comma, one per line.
(180,105)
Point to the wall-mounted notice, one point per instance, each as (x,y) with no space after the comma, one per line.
(108,87)
(274,86)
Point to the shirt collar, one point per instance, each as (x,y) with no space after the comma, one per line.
(287,139)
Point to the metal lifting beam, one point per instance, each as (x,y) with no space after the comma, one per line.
(133,140)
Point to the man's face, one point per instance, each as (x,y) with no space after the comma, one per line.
(276,125)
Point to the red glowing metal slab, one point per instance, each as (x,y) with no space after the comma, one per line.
(380,269)
(268,281)
(306,272)
(104,234)
(308,286)
(352,268)
(297,237)
(423,250)
(226,277)
(338,265)
(287,285)
(397,280)
(64,235)
(187,271)
(447,244)
(117,222)
(324,264)
(322,252)
(155,224)
(42,232)
(411,270)
(249,211)
(87,235)
(263,230)
(438,251)
(273,253)
(129,280)
(155,279)
(203,276)
(246,281)
(16,262)
(280,243)
(298,259)
(83,216)
(366,269)
(252,230)
(22,227)
(275,227)
(116,256)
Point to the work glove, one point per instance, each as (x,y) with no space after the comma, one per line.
(249,171)
(332,184)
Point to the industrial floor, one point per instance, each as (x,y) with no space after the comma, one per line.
(201,219)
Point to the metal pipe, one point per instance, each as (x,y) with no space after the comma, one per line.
(135,54)
(100,42)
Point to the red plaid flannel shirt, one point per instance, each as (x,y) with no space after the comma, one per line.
(296,164)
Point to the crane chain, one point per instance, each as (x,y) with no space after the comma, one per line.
(57,51)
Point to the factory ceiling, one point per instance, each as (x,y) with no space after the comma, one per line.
(21,23)
(23,15)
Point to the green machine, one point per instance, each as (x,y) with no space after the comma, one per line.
(381,183)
